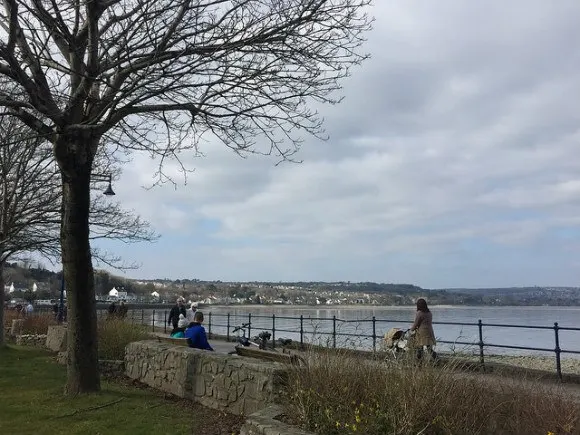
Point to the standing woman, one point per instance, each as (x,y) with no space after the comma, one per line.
(423,327)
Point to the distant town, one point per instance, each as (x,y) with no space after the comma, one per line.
(37,284)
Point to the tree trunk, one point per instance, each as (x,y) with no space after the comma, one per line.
(2,339)
(83,363)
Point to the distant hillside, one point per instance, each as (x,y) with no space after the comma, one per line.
(24,276)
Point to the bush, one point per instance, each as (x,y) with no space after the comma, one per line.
(115,334)
(9,316)
(38,323)
(35,323)
(339,393)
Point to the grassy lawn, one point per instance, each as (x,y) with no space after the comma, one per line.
(31,402)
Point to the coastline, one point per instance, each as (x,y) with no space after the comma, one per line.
(370,306)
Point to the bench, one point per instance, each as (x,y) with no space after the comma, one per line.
(268,355)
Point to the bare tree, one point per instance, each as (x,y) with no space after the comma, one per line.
(156,75)
(30,204)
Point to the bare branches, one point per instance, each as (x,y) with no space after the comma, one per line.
(156,76)
(30,199)
(238,69)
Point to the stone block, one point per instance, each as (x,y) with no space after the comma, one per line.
(17,327)
(56,338)
(264,422)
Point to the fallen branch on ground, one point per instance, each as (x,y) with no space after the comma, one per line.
(92,408)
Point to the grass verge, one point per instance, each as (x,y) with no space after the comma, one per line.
(338,393)
(31,402)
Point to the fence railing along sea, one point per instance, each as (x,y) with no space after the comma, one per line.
(481,331)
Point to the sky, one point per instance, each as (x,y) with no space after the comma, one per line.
(452,162)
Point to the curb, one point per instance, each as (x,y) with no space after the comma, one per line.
(264,422)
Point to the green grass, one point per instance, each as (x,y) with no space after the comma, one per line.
(32,402)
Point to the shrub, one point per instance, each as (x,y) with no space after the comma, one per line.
(38,323)
(9,316)
(338,393)
(115,334)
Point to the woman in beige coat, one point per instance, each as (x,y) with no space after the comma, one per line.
(423,327)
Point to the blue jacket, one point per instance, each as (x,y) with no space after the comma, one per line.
(196,337)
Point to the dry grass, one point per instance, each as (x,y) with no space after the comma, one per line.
(9,316)
(35,323)
(38,323)
(338,393)
(115,334)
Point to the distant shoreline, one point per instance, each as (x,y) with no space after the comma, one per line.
(369,306)
(139,305)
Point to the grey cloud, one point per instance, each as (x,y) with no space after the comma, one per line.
(457,140)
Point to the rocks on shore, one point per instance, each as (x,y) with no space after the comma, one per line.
(535,362)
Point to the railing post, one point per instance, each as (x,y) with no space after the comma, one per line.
(374,334)
(558,351)
(334,331)
(301,331)
(480,330)
(153,322)
(249,325)
(273,331)
(142,316)
(209,326)
(165,321)
(228,329)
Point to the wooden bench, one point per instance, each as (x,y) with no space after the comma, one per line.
(269,355)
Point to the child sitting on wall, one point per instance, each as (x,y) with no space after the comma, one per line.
(179,332)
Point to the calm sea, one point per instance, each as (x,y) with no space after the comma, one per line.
(318,325)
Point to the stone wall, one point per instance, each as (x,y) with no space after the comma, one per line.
(34,340)
(227,382)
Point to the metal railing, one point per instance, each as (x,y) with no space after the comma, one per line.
(333,332)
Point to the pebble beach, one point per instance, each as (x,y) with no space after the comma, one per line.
(536,362)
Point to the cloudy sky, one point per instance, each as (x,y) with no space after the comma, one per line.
(452,162)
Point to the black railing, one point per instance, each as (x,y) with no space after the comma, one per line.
(270,322)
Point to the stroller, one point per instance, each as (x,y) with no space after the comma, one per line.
(400,341)
(396,341)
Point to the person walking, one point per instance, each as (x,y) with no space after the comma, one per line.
(178,308)
(424,337)
(112,310)
(122,310)
(190,313)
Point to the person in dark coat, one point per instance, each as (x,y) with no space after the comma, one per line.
(178,309)
(112,309)
(122,310)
